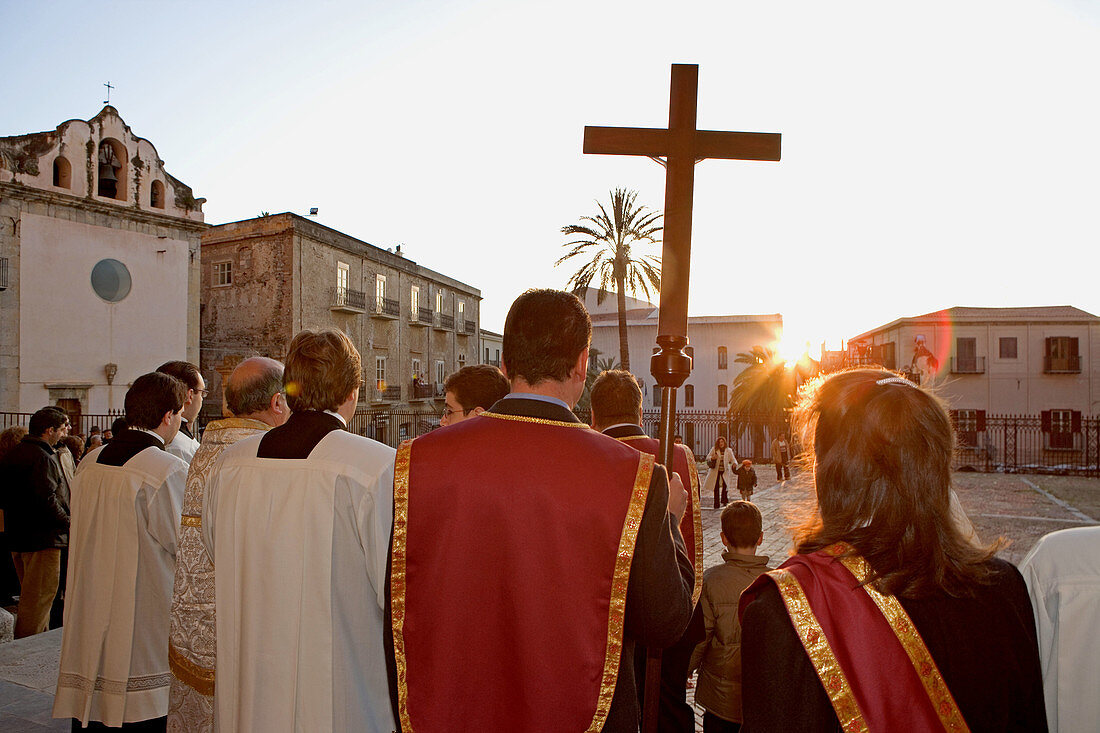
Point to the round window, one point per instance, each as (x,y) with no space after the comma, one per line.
(111,280)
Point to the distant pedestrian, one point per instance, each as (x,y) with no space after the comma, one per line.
(781,455)
(720,464)
(746,479)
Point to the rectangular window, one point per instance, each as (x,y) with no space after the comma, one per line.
(380,372)
(223,273)
(966,355)
(1061,429)
(656,395)
(689,395)
(342,276)
(440,372)
(416,368)
(722,399)
(414,301)
(1062,355)
(1008,347)
(438,301)
(379,291)
(723,358)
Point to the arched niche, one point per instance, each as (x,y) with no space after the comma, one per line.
(111,165)
(156,195)
(62,172)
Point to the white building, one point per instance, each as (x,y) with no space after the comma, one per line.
(99,266)
(490,345)
(713,344)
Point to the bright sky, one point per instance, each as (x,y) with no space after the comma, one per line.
(935,154)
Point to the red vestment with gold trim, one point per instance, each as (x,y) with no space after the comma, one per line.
(869,657)
(691,525)
(513,540)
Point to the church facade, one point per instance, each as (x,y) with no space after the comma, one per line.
(265,279)
(99,265)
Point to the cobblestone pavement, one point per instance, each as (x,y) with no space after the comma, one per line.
(1015,507)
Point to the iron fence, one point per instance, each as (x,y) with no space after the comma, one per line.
(997,443)
(1028,444)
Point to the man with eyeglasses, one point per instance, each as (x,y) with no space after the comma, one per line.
(36,517)
(471,391)
(184,444)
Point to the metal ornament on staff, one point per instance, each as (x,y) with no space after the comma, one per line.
(678,148)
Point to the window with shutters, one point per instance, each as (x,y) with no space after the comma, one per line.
(722,395)
(1008,347)
(1062,356)
(1061,428)
(656,395)
(723,358)
(969,424)
(689,395)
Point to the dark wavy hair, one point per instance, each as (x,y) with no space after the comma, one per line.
(544,334)
(881,450)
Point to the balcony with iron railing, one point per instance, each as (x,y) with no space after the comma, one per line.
(494,362)
(467,328)
(422,390)
(1061,364)
(968,365)
(348,300)
(420,317)
(385,307)
(440,391)
(444,322)
(390,393)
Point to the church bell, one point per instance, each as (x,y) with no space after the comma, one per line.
(107,172)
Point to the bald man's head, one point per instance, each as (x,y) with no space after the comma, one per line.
(249,389)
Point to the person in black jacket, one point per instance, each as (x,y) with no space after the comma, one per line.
(36,517)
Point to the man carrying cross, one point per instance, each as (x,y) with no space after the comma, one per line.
(530,553)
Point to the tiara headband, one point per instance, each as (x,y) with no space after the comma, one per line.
(895,380)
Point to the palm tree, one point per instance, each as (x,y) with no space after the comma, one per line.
(607,239)
(762,393)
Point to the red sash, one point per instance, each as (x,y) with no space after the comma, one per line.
(691,525)
(870,658)
(513,539)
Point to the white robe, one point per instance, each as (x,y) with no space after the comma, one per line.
(183,447)
(1062,573)
(122,548)
(300,549)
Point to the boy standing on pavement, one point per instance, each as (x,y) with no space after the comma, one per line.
(718,657)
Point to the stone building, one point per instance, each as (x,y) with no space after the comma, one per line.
(99,265)
(267,278)
(491,344)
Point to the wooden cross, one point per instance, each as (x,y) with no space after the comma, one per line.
(109,88)
(681,146)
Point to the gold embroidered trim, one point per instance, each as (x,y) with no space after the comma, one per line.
(397,576)
(199,679)
(697,523)
(821,654)
(633,437)
(617,611)
(113,687)
(191,520)
(943,702)
(536,420)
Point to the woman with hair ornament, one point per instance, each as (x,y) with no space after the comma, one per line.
(887,617)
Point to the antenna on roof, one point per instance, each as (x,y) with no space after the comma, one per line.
(109,88)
